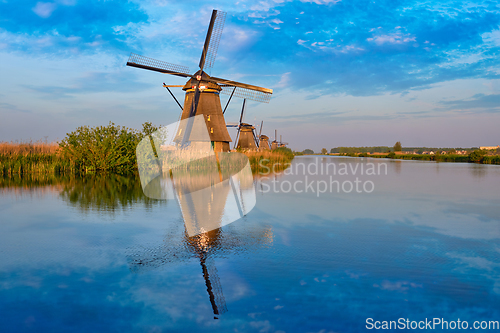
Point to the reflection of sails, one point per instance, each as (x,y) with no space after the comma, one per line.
(219,243)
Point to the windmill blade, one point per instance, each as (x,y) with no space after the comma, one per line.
(242,116)
(190,123)
(214,287)
(196,100)
(251,94)
(260,132)
(136,60)
(212,39)
(255,138)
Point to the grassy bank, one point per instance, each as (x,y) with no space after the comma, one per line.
(22,159)
(32,158)
(268,161)
(474,157)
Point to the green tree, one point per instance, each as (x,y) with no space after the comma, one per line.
(308,152)
(397,146)
(107,148)
(477,156)
(324,151)
(391,155)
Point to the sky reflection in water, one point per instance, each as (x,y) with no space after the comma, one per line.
(424,243)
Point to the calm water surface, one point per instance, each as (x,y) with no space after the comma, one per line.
(95,255)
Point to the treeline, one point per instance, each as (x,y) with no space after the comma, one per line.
(476,156)
(357,150)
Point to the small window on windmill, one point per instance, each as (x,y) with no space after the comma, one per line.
(208,118)
(211,130)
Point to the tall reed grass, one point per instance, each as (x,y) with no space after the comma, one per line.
(268,161)
(28,157)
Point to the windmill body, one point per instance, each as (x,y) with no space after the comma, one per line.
(247,137)
(210,107)
(202,90)
(264,142)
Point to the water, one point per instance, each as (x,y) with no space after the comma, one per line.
(95,255)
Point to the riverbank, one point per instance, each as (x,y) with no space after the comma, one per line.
(474,157)
(18,159)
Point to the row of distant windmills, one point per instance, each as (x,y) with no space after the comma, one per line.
(247,138)
(202,95)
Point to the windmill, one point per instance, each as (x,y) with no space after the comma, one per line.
(263,139)
(245,137)
(274,144)
(202,90)
(281,143)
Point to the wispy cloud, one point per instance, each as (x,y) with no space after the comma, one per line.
(490,103)
(92,82)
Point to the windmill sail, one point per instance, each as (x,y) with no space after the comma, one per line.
(139,61)
(213,39)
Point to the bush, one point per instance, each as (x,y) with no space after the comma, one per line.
(477,156)
(103,148)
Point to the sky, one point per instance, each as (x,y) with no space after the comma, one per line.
(344,73)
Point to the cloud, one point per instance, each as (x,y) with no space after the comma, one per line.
(394,38)
(322,2)
(479,101)
(93,82)
(363,50)
(67,25)
(308,115)
(44,9)
(12,108)
(284,80)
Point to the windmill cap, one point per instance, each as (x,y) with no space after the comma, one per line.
(204,82)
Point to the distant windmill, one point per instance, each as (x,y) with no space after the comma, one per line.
(202,90)
(281,143)
(263,139)
(245,137)
(274,144)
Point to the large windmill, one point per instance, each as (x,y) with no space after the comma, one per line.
(202,90)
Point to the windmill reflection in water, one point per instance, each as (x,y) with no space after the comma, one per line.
(206,200)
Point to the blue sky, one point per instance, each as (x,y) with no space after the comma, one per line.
(345,73)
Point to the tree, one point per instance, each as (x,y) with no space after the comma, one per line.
(103,148)
(308,152)
(324,151)
(397,146)
(477,156)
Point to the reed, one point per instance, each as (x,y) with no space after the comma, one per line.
(28,157)
(264,162)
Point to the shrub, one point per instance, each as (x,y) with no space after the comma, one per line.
(477,156)
(103,148)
